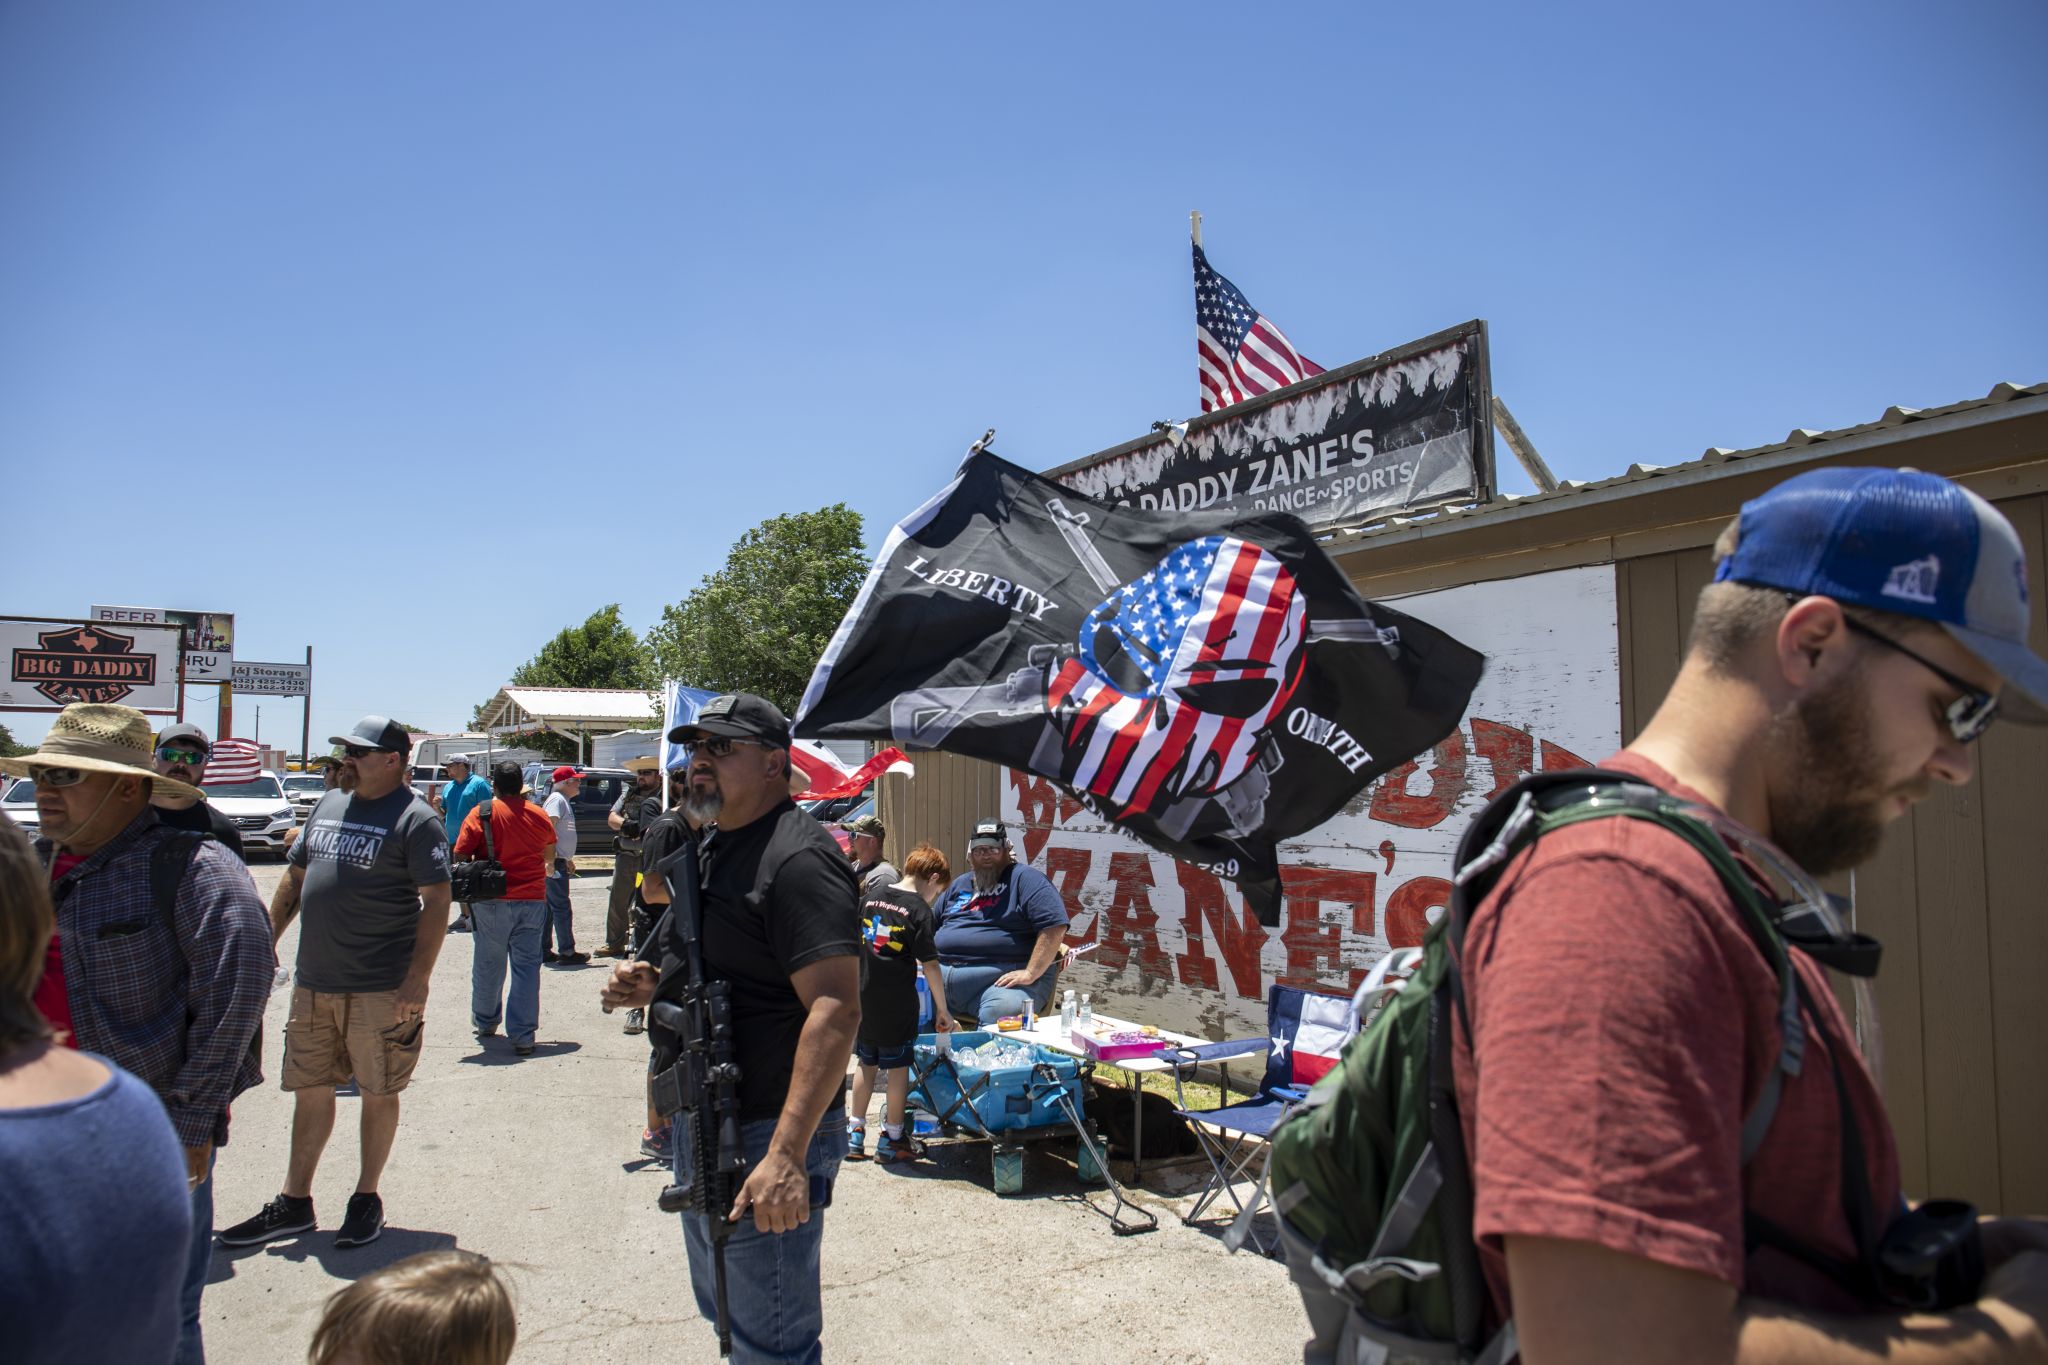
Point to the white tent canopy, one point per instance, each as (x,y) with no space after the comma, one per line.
(578,711)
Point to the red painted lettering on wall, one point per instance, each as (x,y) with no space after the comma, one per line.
(1042,805)
(1408,911)
(1239,936)
(1133,924)
(1556,756)
(1067,870)
(1315,949)
(1396,805)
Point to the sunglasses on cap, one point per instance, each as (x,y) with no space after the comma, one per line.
(56,777)
(188,756)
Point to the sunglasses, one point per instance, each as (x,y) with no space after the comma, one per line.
(56,777)
(718,746)
(1969,715)
(187,756)
(358,751)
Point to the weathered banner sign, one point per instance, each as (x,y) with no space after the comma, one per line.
(1406,430)
(1176,946)
(53,663)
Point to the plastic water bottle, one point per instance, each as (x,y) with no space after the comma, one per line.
(1086,1018)
(1068,1011)
(924,1002)
(944,1045)
(1029,1014)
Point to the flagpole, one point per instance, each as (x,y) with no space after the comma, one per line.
(1195,225)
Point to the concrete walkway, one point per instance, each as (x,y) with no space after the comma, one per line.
(535,1163)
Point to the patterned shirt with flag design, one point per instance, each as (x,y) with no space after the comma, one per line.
(1240,353)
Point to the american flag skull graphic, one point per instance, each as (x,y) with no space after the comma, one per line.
(1178,675)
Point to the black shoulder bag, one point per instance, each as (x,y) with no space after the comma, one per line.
(479,879)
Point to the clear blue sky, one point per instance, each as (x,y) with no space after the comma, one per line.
(415,332)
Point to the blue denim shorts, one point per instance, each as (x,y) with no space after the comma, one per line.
(886,1058)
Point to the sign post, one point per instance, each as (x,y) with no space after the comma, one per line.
(306,718)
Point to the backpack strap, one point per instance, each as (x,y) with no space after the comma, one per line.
(168,863)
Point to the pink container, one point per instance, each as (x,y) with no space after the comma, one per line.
(1119,1045)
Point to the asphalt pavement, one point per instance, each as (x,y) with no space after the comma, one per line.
(535,1162)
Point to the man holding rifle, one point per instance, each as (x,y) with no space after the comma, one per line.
(763,977)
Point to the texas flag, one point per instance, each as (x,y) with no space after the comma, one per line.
(1309,1033)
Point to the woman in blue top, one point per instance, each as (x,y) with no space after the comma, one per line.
(90,1264)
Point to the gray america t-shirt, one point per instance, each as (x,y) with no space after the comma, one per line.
(365,861)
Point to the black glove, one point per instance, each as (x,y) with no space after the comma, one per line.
(630,828)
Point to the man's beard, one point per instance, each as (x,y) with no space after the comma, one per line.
(702,807)
(1832,817)
(988,881)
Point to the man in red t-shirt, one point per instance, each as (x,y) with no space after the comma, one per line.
(524,841)
(1864,626)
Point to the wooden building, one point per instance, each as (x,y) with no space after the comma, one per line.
(1957,894)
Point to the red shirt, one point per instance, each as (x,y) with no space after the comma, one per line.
(521,835)
(1623,1024)
(52,998)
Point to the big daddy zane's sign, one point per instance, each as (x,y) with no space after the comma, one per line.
(51,664)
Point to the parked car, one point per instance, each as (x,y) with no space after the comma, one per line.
(261,813)
(601,787)
(841,811)
(19,805)
(304,791)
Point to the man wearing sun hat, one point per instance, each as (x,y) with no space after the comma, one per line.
(1863,629)
(174,997)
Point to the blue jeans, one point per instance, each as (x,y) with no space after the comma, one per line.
(772,1289)
(558,930)
(972,993)
(191,1350)
(506,930)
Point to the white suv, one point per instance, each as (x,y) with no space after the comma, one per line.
(258,810)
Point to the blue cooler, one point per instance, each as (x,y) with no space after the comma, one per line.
(997,1101)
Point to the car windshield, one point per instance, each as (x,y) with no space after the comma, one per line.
(308,783)
(20,790)
(255,786)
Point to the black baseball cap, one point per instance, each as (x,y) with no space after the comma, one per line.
(171,734)
(376,732)
(736,715)
(989,832)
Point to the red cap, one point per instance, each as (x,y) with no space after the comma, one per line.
(564,774)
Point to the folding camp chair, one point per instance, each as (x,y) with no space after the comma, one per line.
(1305,1033)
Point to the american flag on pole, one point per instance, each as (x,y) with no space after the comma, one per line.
(1241,353)
(232,760)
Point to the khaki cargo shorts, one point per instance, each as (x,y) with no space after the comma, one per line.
(330,1037)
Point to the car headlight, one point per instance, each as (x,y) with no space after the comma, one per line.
(285,814)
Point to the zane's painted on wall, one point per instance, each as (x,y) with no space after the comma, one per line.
(1174,946)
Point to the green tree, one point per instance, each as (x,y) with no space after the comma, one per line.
(761,623)
(8,747)
(603,652)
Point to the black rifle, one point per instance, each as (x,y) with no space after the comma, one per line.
(696,1079)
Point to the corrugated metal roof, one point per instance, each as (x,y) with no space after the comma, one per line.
(572,704)
(1342,538)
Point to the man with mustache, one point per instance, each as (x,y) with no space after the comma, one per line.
(781,926)
(181,754)
(1001,928)
(1863,628)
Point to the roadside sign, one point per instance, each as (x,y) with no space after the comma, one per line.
(52,663)
(209,637)
(273,680)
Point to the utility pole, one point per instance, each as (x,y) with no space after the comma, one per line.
(306,719)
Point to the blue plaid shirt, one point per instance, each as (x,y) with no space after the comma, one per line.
(176,1009)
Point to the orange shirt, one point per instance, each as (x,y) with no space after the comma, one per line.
(521,835)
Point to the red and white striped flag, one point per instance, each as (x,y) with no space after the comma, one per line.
(1240,353)
(233,760)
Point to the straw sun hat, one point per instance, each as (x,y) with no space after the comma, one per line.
(100,738)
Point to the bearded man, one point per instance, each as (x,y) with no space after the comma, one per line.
(1863,628)
(1001,927)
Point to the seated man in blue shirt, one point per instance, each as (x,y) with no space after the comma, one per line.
(1001,927)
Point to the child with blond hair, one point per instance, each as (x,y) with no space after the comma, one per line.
(437,1308)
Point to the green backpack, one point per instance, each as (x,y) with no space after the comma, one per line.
(1369,1180)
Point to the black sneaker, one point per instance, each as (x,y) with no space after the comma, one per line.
(283,1216)
(547,955)
(571,959)
(364,1222)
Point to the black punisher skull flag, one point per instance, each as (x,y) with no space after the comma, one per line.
(1210,683)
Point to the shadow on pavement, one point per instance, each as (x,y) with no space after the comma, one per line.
(341,1263)
(500,1053)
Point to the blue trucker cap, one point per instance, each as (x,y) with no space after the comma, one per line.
(1906,542)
